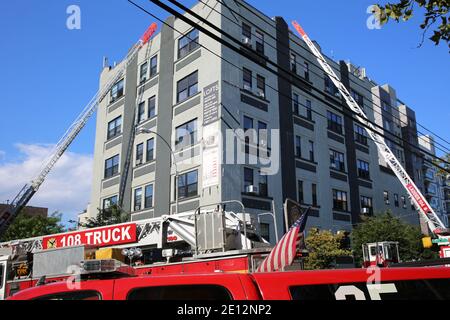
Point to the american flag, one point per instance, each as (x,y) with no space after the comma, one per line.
(285,250)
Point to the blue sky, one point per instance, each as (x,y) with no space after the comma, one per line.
(50,72)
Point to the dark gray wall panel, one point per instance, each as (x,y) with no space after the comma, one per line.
(144,170)
(113,143)
(194,56)
(111,182)
(187,105)
(305,166)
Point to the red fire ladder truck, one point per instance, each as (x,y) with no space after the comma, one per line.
(205,240)
(436,226)
(27,192)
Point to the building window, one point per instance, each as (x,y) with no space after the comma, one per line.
(108,202)
(264,231)
(293,63)
(296,102)
(188,185)
(150,149)
(308,110)
(386,197)
(385,105)
(137,199)
(188,43)
(298,146)
(115,127)
(301,198)
(334,122)
(153,66)
(262,136)
(337,160)
(259,42)
(117,91)
(248,178)
(340,200)
(360,134)
(358,98)
(152,107)
(306,71)
(261,86)
(363,169)
(246,30)
(263,189)
(366,205)
(148,203)
(403,202)
(247,79)
(330,87)
(139,154)
(143,72)
(311,150)
(187,87)
(248,125)
(396,203)
(111,166)
(186,134)
(314,194)
(141,112)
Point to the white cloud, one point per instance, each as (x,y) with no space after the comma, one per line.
(66,188)
(2,155)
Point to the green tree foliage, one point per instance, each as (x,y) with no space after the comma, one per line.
(26,226)
(443,164)
(436,13)
(105,217)
(323,247)
(386,227)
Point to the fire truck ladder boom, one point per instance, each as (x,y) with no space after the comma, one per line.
(27,192)
(434,223)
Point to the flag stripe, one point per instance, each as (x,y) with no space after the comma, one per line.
(284,252)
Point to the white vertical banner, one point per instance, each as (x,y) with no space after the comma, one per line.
(211,155)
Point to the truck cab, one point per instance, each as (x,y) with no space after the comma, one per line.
(344,284)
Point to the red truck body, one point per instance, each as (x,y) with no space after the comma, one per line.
(360,284)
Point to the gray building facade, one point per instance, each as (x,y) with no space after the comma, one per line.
(192,96)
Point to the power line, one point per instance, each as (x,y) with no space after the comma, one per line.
(275,90)
(306,59)
(437,144)
(248,56)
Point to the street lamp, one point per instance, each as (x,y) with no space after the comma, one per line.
(143,130)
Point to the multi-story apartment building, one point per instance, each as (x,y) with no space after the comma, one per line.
(436,185)
(199,102)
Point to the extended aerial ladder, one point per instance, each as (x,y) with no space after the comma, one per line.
(128,156)
(27,192)
(436,226)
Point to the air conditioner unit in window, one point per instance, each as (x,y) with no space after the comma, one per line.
(247,87)
(247,42)
(261,94)
(251,189)
(138,162)
(364,210)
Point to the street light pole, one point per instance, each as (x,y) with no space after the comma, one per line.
(142,130)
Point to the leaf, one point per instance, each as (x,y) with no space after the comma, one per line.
(436,38)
